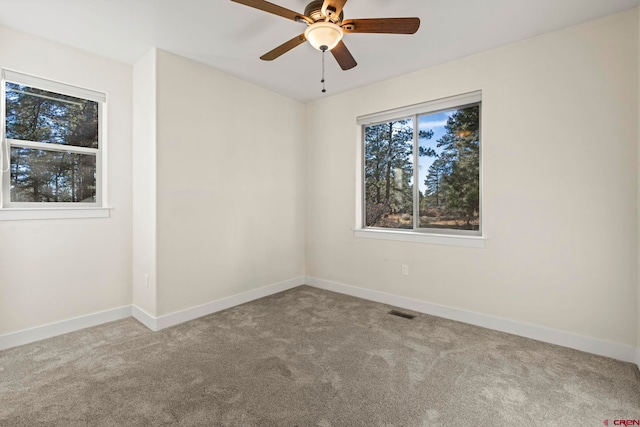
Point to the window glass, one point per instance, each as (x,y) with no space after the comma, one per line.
(449,169)
(389,174)
(41,116)
(52,176)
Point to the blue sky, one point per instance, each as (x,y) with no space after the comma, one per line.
(434,122)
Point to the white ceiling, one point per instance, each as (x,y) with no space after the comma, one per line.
(231,37)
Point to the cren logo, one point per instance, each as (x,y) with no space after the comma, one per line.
(626,422)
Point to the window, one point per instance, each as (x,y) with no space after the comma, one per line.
(52,144)
(421,168)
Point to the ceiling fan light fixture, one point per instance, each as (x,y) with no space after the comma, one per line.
(323,34)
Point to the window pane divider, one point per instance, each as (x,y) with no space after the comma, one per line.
(416,174)
(46,146)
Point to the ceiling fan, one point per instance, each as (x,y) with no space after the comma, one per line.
(326,26)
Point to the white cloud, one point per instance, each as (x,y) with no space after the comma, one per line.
(432,124)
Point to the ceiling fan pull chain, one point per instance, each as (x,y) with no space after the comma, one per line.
(324,50)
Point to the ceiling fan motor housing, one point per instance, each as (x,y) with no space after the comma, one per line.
(314,11)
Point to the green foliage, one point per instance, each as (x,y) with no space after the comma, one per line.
(453,180)
(388,169)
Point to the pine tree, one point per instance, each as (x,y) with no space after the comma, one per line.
(453,180)
(388,169)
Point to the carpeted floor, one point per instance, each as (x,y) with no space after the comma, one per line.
(308,357)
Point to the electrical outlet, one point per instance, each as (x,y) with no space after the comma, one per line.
(405,270)
(146,280)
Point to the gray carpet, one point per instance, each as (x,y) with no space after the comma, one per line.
(308,357)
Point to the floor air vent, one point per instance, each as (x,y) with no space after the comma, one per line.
(401,314)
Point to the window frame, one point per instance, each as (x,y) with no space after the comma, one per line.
(34,210)
(471,238)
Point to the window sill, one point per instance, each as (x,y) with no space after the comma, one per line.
(412,236)
(17,214)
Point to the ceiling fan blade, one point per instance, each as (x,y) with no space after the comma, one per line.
(329,5)
(275,9)
(343,56)
(284,48)
(382,25)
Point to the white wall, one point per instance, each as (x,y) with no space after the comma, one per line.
(560,185)
(144,183)
(52,270)
(230,185)
(638,206)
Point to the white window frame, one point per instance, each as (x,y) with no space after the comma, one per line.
(465,238)
(52,210)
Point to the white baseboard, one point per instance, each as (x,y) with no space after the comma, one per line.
(27,336)
(617,351)
(145,318)
(38,333)
(613,350)
(162,322)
